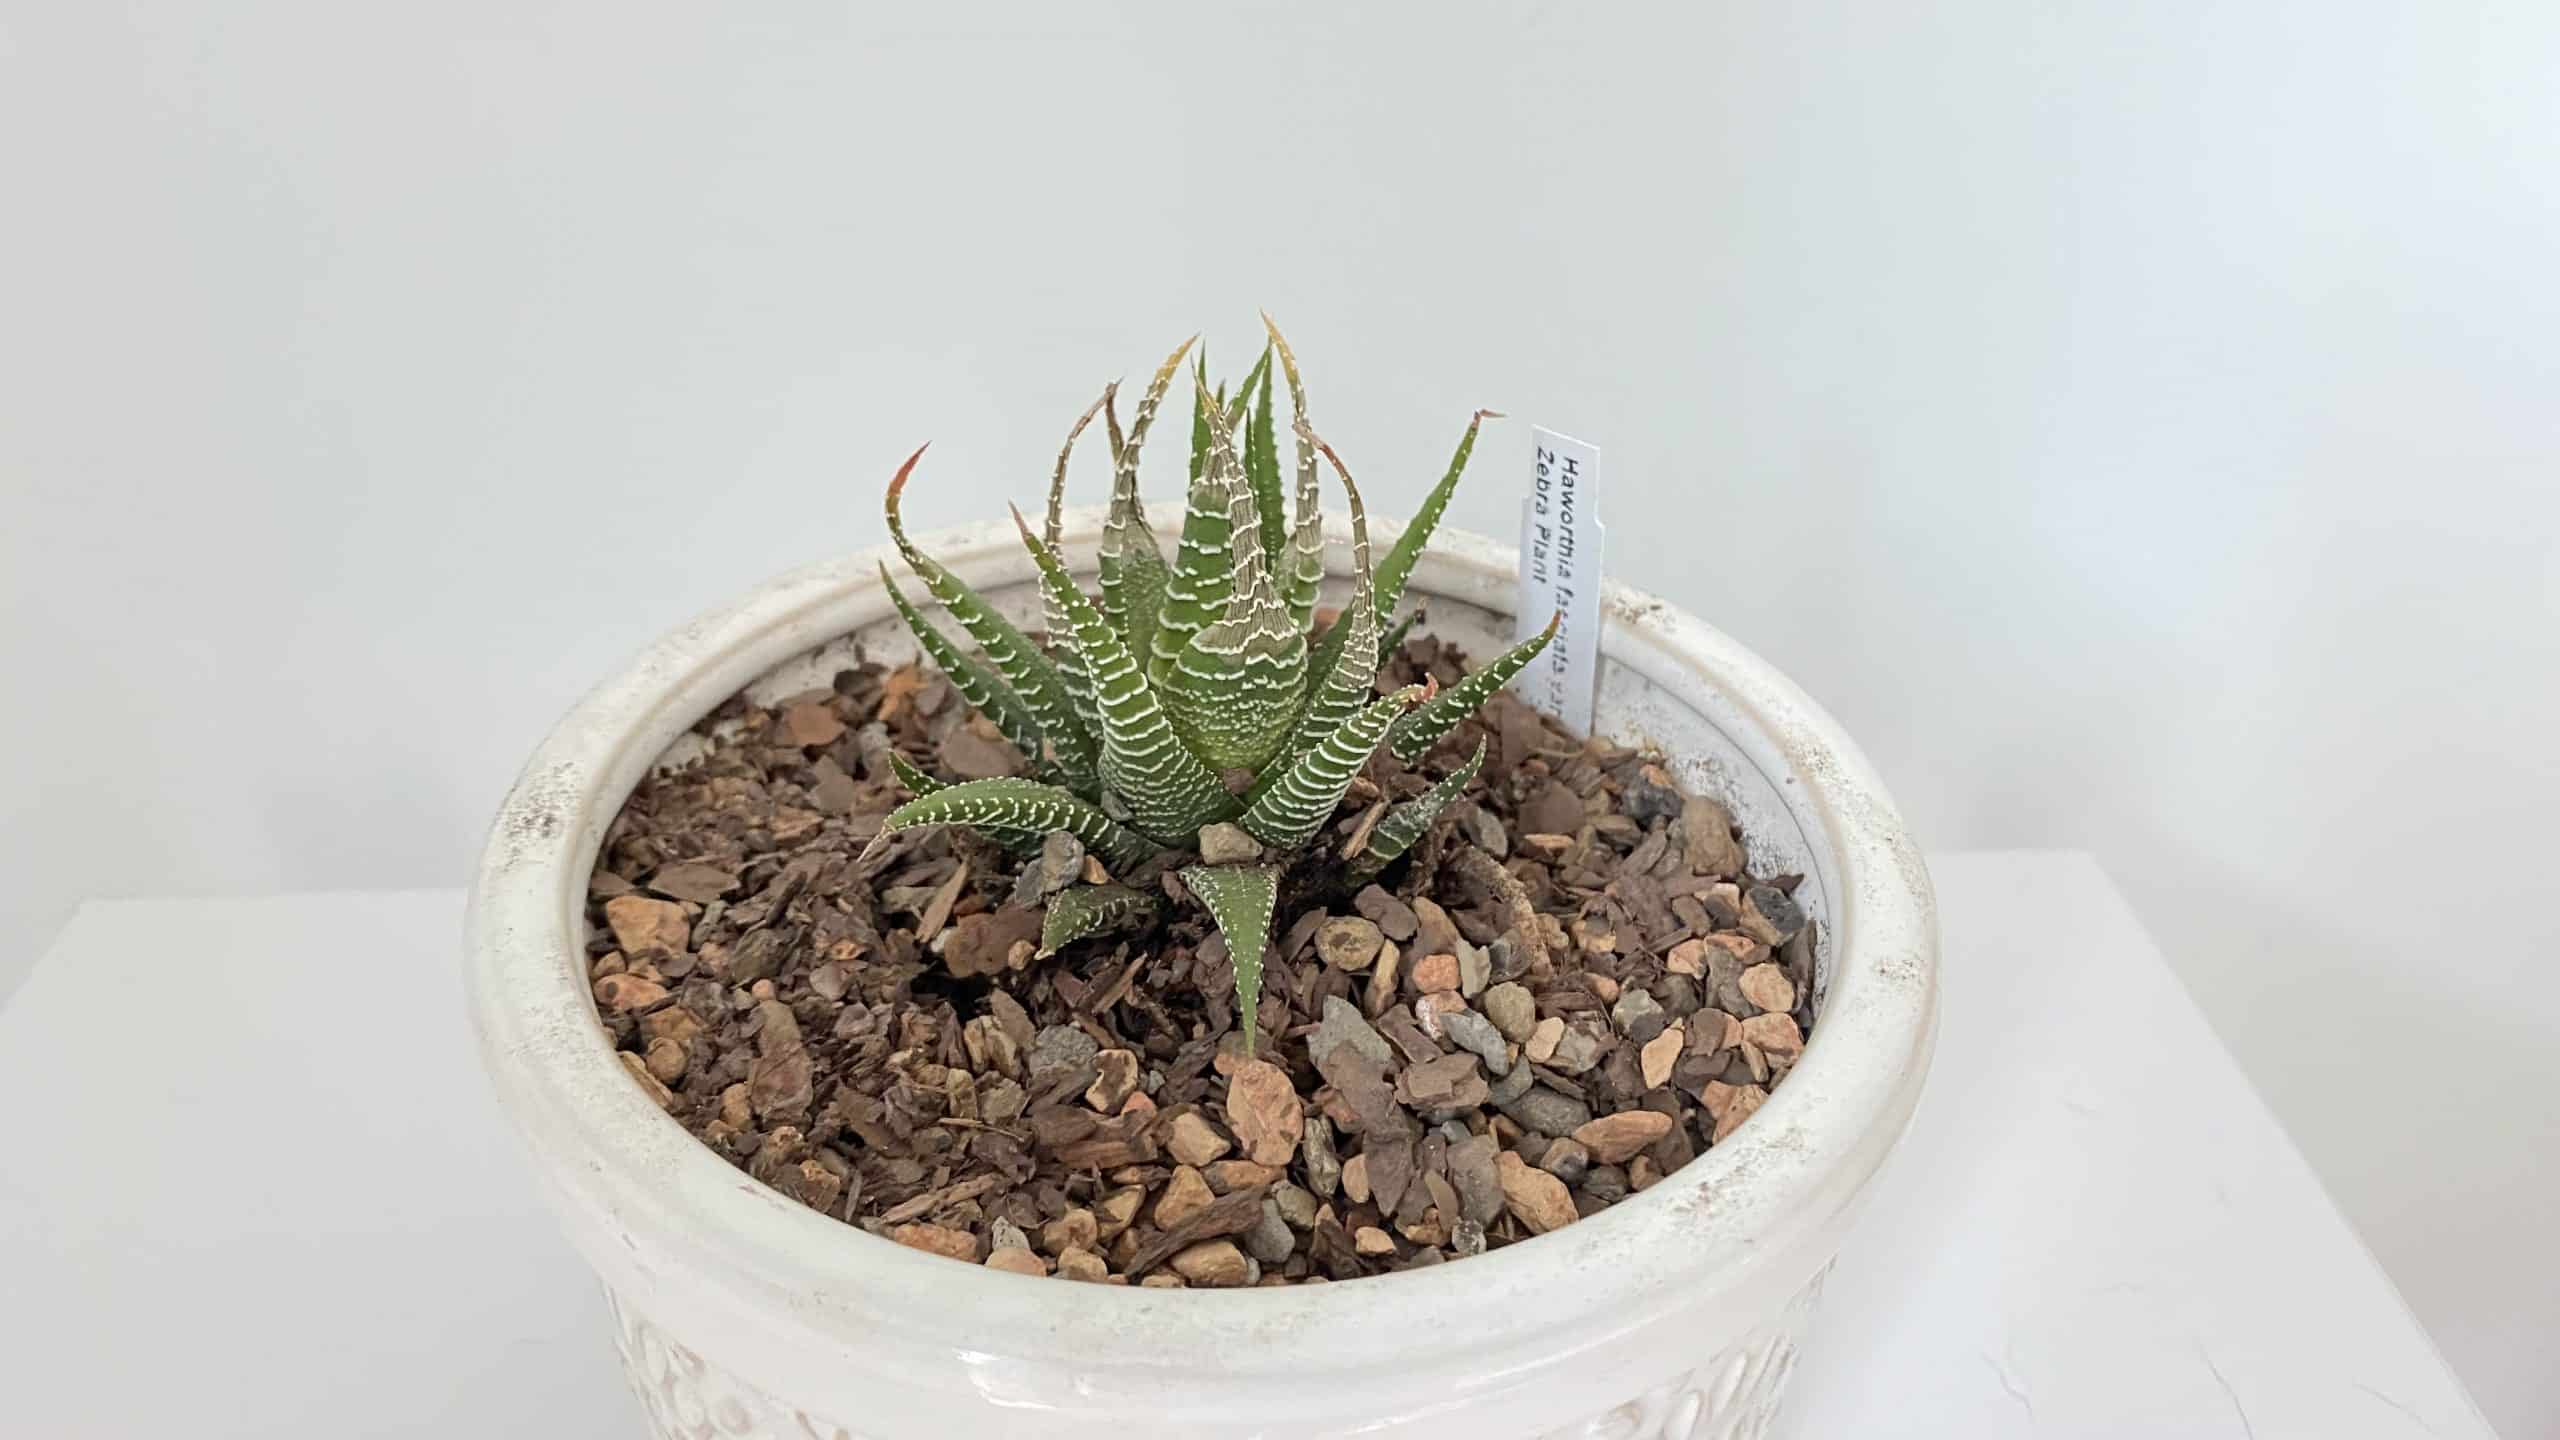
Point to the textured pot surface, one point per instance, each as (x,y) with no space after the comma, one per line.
(1674,1313)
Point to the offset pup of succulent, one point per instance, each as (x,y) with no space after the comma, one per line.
(1188,717)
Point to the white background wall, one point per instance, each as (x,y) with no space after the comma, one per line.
(2139,424)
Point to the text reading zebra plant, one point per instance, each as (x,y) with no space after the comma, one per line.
(1187,710)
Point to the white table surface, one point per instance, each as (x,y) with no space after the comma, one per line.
(254,1185)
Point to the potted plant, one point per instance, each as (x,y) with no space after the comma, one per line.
(1389,1060)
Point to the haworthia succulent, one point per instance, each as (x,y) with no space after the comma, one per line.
(1240,899)
(977,683)
(1132,560)
(1168,792)
(1291,812)
(1237,685)
(1024,667)
(1202,580)
(1302,572)
(1418,732)
(1062,645)
(1404,824)
(1009,808)
(1398,564)
(1083,911)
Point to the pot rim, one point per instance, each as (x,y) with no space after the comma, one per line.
(1789,1172)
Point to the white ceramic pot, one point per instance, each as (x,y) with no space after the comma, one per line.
(1676,1313)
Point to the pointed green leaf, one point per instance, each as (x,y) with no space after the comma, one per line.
(1240,682)
(1021,663)
(1394,642)
(1302,571)
(1291,812)
(1422,729)
(1262,468)
(1403,825)
(912,775)
(1011,809)
(1240,898)
(976,681)
(1062,644)
(1398,565)
(1202,580)
(1168,792)
(1345,661)
(1132,559)
(1083,911)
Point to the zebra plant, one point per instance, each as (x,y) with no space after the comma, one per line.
(1185,717)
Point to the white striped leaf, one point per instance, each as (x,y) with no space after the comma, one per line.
(1168,792)
(1010,810)
(1291,812)
(1240,898)
(1418,732)
(1063,738)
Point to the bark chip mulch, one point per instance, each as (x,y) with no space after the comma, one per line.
(1572,987)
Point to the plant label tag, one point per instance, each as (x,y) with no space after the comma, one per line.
(1561,539)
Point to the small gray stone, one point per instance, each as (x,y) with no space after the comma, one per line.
(1466,1238)
(1770,915)
(1468,1031)
(1548,1112)
(1058,1052)
(1638,1015)
(1513,1010)
(1297,1207)
(1227,844)
(1391,915)
(1343,1024)
(1324,1167)
(1580,1048)
(1003,1234)
(1478,1181)
(1606,1184)
(1505,957)
(1567,1160)
(1270,1240)
(1482,830)
(1473,970)
(1651,796)
(1507,1088)
(1061,861)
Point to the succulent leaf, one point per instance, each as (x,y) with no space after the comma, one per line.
(1168,792)
(977,682)
(1301,572)
(1406,823)
(1083,911)
(1291,812)
(1062,645)
(1398,564)
(1418,732)
(1009,809)
(1239,683)
(1262,469)
(1345,661)
(1240,899)
(1028,671)
(1203,577)
(912,775)
(1132,559)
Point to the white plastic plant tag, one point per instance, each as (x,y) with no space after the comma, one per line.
(1561,539)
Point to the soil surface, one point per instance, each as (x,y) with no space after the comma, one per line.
(1566,992)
